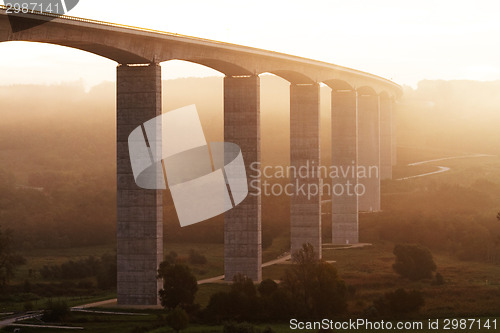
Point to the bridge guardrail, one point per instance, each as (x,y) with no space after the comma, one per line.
(117,25)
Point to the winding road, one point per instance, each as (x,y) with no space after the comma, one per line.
(441,169)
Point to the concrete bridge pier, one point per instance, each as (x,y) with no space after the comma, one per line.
(369,151)
(139,211)
(305,208)
(394,132)
(386,137)
(344,157)
(242,224)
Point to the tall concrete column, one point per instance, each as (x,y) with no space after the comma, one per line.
(369,151)
(345,157)
(305,207)
(394,134)
(386,138)
(139,215)
(242,224)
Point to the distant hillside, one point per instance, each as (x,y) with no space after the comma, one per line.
(462,116)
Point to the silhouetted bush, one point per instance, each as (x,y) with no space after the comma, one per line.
(196,258)
(28,306)
(413,261)
(397,303)
(55,311)
(243,285)
(439,279)
(267,287)
(178,319)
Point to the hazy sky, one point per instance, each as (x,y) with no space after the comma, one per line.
(401,40)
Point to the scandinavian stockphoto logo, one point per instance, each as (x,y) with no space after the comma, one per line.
(204,179)
(16,9)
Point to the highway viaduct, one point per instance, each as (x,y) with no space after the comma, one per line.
(361,135)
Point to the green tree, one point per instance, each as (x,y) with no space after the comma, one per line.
(300,275)
(222,305)
(178,319)
(179,285)
(315,285)
(414,262)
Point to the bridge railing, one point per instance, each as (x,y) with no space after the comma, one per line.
(116,25)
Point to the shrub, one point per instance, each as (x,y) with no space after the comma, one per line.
(55,311)
(267,287)
(178,319)
(398,302)
(243,285)
(439,279)
(196,258)
(28,306)
(414,262)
